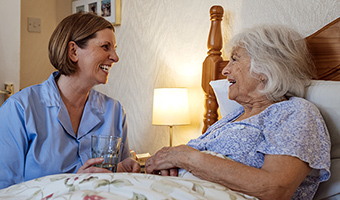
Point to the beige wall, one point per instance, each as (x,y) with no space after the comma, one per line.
(34,63)
(10,45)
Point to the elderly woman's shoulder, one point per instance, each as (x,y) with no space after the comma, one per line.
(298,104)
(300,101)
(292,110)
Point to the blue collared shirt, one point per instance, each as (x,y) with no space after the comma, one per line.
(37,138)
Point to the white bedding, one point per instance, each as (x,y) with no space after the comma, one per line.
(118,186)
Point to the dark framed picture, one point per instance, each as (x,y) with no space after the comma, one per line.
(109,9)
(80,8)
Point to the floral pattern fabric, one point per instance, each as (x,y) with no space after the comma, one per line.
(118,186)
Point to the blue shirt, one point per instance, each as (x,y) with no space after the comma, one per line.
(37,138)
(294,127)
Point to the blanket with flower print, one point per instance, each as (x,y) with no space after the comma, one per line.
(118,186)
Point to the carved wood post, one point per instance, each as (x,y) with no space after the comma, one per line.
(210,64)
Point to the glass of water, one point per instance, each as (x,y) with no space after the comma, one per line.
(107,147)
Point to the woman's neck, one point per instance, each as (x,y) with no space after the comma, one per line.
(72,91)
(255,107)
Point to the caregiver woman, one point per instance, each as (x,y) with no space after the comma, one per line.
(277,142)
(46,129)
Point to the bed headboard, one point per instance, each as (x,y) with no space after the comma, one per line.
(324,46)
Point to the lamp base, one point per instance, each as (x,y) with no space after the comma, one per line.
(171,134)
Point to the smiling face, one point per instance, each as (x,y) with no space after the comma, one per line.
(96,59)
(244,88)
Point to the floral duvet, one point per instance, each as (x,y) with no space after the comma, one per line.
(118,186)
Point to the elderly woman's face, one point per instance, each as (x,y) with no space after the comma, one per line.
(244,87)
(97,58)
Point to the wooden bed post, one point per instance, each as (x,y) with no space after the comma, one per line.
(210,64)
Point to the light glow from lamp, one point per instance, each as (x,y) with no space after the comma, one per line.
(170,107)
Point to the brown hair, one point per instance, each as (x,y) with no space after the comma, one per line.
(78,27)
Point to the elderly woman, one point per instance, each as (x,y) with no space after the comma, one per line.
(277,143)
(46,129)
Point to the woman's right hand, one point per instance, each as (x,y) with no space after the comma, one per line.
(89,168)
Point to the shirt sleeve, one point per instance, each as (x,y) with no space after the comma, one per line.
(298,131)
(13,143)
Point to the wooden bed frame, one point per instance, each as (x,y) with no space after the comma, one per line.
(324,46)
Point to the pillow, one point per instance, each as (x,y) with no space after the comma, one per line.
(221,89)
(325,95)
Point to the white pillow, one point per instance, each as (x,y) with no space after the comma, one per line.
(221,89)
(326,96)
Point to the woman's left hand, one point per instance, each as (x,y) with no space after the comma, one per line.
(89,168)
(128,165)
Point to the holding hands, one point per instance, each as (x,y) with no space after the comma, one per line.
(128,165)
(168,160)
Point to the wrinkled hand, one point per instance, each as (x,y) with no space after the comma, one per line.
(89,168)
(128,165)
(167,160)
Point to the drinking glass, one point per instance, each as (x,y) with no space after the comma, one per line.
(107,147)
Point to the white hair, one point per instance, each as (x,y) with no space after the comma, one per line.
(279,55)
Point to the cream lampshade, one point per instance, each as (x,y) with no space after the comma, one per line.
(170,107)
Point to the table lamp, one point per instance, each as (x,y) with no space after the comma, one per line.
(170,107)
